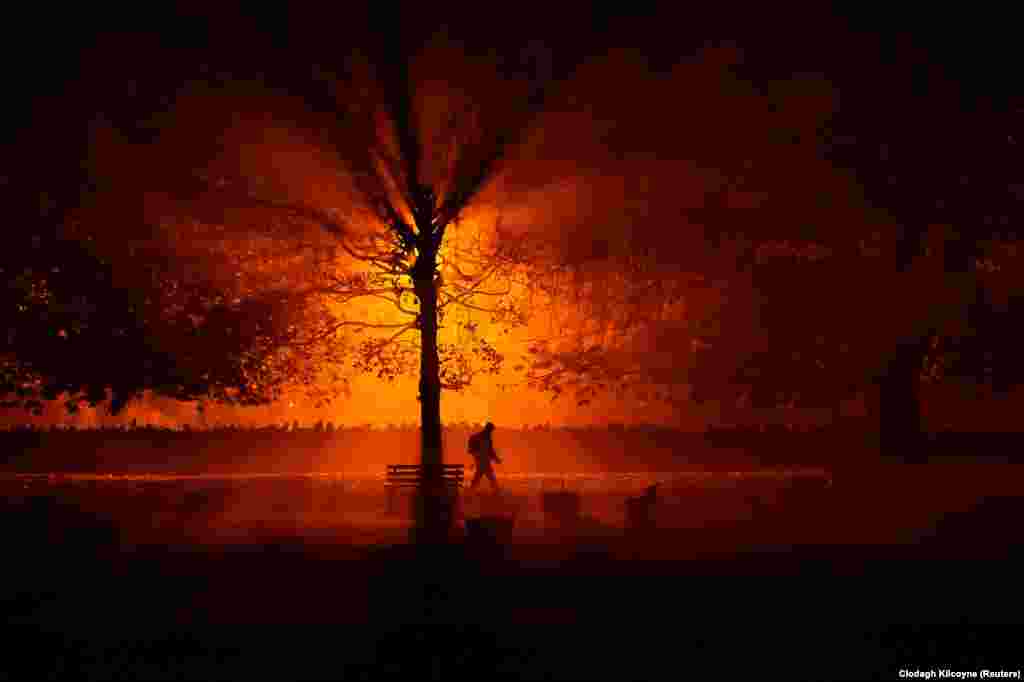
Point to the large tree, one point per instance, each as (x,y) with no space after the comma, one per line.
(382,158)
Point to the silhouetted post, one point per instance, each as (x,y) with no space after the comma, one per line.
(899,401)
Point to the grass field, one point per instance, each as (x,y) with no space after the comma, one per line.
(217,486)
(203,557)
(366,451)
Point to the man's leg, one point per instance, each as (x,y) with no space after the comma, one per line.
(493,479)
(476,478)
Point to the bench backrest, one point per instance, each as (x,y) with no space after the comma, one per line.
(403,473)
(418,467)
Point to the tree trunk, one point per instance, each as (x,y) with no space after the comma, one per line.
(433,517)
(899,398)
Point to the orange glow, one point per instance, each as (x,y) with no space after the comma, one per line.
(550,193)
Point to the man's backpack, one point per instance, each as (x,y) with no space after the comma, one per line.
(475,444)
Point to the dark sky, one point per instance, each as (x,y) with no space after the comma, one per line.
(921,76)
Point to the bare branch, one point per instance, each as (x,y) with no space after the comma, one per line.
(470,291)
(367,325)
(470,306)
(335,327)
(394,337)
(340,295)
(396,300)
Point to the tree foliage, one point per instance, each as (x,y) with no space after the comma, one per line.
(78,328)
(838,238)
(98,306)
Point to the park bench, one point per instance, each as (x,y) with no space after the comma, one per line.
(401,476)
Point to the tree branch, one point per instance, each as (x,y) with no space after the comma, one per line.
(396,300)
(335,327)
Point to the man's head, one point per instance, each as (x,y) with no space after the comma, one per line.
(488,427)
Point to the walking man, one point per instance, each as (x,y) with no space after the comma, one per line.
(481,447)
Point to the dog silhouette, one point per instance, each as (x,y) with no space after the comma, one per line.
(640,510)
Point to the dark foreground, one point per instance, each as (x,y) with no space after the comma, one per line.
(85,608)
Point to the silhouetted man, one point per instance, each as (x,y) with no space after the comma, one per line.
(481,447)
